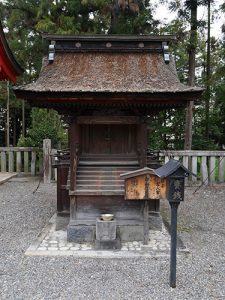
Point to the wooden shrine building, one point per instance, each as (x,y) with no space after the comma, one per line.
(108,86)
(9,68)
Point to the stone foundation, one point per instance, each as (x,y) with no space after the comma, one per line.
(155,221)
(125,233)
(81,233)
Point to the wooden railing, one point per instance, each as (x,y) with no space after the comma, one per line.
(209,166)
(49,173)
(23,160)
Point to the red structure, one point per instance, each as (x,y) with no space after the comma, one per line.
(9,68)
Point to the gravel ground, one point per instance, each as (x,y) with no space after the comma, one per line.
(200,274)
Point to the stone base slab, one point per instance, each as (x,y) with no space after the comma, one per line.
(155,221)
(86,233)
(80,233)
(127,233)
(108,245)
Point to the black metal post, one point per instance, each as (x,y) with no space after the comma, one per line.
(146,223)
(173,247)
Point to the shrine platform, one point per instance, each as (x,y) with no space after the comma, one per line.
(52,241)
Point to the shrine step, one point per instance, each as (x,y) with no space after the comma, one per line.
(109,157)
(102,187)
(109,163)
(96,192)
(101,179)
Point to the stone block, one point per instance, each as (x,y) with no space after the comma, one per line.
(130,233)
(155,221)
(105,230)
(61,222)
(108,245)
(80,233)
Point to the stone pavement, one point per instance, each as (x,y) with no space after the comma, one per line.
(54,242)
(5,176)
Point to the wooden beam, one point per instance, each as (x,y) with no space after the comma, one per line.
(142,135)
(74,151)
(108,120)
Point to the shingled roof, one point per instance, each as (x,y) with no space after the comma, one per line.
(112,65)
(9,68)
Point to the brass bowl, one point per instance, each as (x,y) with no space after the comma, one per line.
(107,217)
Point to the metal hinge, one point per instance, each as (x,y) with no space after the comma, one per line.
(51,53)
(166,53)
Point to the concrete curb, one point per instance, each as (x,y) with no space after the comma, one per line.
(4,176)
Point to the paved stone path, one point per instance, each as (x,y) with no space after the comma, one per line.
(54,242)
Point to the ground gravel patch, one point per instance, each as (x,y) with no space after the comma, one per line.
(200,274)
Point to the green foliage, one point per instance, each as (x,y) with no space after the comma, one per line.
(26,20)
(45,124)
(167,130)
(180,27)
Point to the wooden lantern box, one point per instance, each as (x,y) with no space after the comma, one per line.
(144,184)
(147,184)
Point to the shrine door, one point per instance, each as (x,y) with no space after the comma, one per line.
(108,139)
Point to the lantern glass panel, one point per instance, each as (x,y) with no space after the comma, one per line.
(176,189)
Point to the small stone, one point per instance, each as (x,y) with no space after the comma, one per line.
(75,248)
(42,248)
(131,248)
(64,248)
(162,248)
(153,242)
(84,247)
(124,248)
(52,248)
(135,243)
(62,244)
(53,242)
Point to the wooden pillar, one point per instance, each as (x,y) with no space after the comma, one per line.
(74,142)
(47,165)
(142,143)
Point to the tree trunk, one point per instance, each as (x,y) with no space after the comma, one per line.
(191,75)
(208,75)
(14,130)
(23,118)
(7,119)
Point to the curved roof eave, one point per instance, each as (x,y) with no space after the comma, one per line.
(13,64)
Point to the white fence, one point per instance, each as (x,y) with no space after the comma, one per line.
(26,160)
(209,166)
(29,160)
